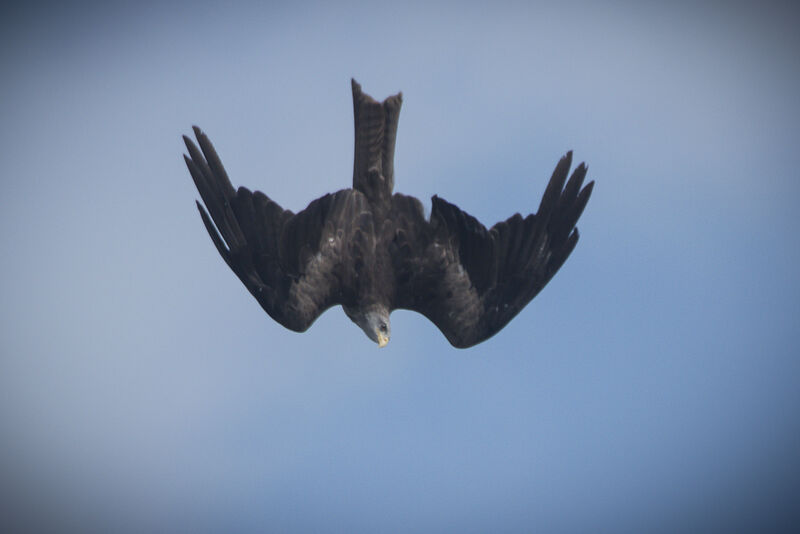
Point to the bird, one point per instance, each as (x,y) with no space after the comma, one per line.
(373,251)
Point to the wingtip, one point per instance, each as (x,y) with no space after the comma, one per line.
(563,165)
(201,209)
(188,142)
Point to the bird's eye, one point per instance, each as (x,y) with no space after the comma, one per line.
(383,327)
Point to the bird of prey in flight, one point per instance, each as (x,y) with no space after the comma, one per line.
(373,251)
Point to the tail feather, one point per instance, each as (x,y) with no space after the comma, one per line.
(376,131)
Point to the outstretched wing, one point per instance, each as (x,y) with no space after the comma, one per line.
(295,265)
(471,281)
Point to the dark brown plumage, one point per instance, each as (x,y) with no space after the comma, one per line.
(373,251)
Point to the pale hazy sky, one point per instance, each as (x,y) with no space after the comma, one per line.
(652,386)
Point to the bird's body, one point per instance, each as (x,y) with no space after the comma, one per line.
(373,251)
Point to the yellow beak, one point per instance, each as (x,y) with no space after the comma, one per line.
(382,340)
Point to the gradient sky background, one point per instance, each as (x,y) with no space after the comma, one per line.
(652,386)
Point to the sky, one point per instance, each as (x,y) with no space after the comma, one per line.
(652,386)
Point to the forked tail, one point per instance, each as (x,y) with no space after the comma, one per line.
(376,131)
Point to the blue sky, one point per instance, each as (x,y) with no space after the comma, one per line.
(652,386)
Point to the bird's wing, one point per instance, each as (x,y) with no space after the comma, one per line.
(471,281)
(295,265)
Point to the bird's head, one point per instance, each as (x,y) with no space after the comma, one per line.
(374,321)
